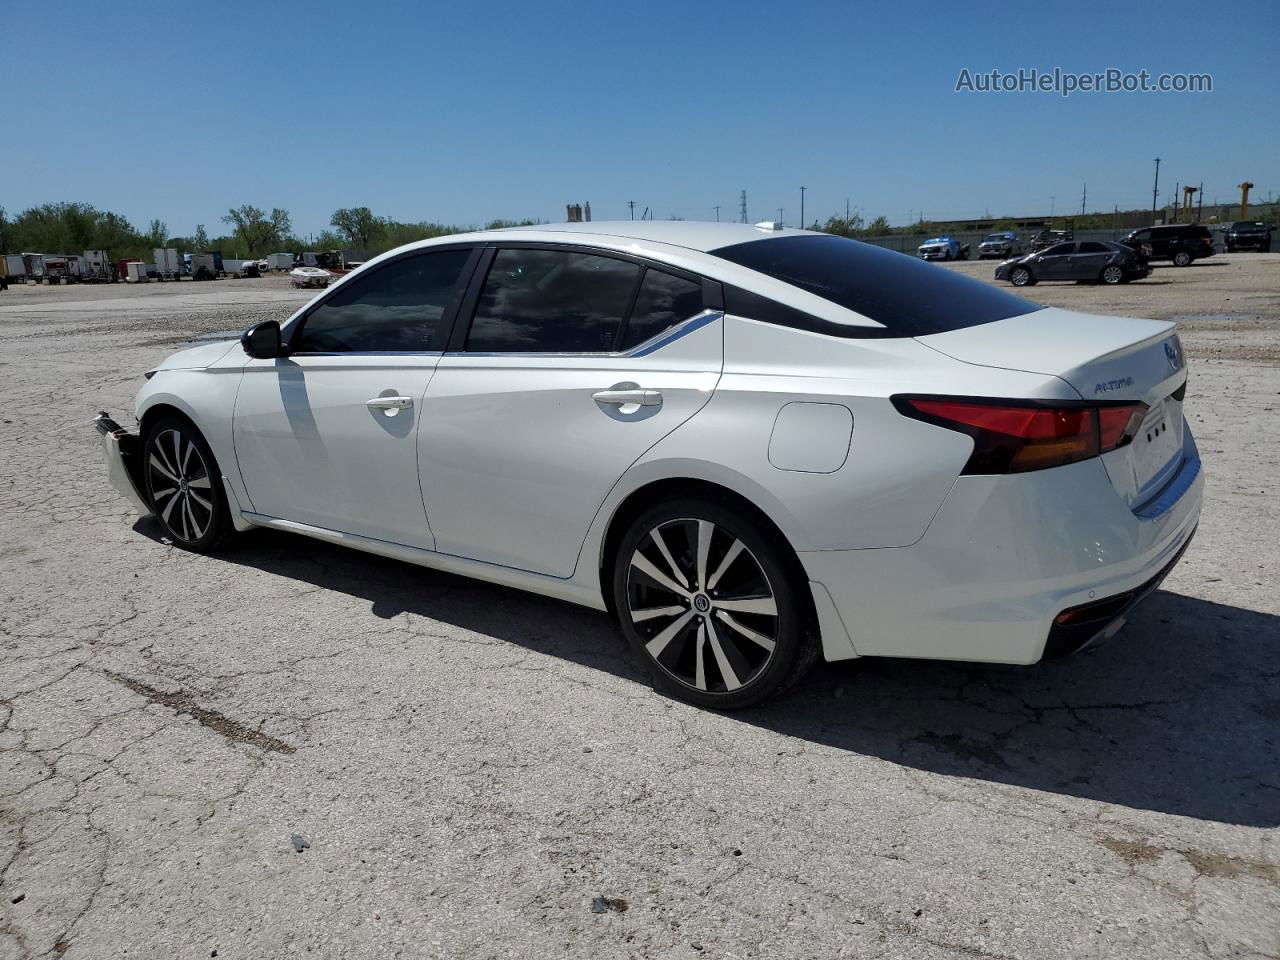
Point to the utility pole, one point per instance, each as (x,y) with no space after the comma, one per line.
(1083,197)
(717,210)
(1200,204)
(802,190)
(631,204)
(1176,218)
(742,205)
(779,216)
(846,209)
(1155,191)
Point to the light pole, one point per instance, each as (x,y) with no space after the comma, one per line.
(1155,191)
(717,210)
(802,190)
(779,216)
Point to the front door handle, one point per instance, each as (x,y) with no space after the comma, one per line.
(641,398)
(389,405)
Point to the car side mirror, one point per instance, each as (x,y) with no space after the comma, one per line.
(262,341)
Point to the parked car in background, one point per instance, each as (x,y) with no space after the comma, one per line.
(943,248)
(658,419)
(1045,239)
(1248,235)
(1183,243)
(1001,246)
(1086,260)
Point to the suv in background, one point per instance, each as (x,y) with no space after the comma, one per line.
(1180,242)
(1248,235)
(1047,238)
(1002,245)
(943,248)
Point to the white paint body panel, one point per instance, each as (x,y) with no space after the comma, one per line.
(506,469)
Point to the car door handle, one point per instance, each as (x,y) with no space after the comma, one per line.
(643,398)
(389,403)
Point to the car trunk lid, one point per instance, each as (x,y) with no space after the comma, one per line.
(1106,360)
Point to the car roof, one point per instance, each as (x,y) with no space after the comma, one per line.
(698,235)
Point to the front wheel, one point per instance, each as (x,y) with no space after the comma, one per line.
(184,486)
(1182,259)
(709,601)
(1112,275)
(1021,277)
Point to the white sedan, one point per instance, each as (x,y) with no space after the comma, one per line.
(755,446)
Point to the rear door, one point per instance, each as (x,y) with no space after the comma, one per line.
(1088,260)
(574,363)
(327,436)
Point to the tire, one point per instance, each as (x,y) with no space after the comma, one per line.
(1112,275)
(1182,259)
(1021,277)
(184,486)
(711,645)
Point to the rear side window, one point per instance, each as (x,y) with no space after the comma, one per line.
(552,301)
(1059,250)
(910,297)
(664,300)
(1092,246)
(398,308)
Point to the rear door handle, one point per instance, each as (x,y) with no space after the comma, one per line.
(643,398)
(389,403)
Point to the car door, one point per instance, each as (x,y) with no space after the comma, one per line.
(1055,262)
(574,362)
(327,435)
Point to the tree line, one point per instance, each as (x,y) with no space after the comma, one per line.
(245,231)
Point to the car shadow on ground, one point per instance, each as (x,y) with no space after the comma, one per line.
(1178,714)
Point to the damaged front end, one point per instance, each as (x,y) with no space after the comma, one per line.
(122,452)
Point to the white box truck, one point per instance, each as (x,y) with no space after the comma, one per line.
(280,261)
(95,267)
(168,263)
(137,272)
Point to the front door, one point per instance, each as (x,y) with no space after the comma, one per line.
(1055,263)
(574,365)
(327,436)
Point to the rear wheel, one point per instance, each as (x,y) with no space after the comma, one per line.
(1112,274)
(184,486)
(710,602)
(1021,277)
(1182,259)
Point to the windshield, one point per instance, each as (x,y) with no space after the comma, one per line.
(1000,236)
(909,297)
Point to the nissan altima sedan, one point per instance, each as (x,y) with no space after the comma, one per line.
(753,446)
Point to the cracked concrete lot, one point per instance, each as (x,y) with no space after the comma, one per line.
(291,750)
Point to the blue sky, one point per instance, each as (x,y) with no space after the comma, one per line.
(466,112)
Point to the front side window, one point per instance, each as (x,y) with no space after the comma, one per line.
(552,301)
(664,300)
(398,308)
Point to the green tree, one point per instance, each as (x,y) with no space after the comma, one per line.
(256,231)
(6,230)
(156,233)
(200,242)
(358,226)
(879,227)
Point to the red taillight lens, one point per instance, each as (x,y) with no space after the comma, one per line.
(1011,436)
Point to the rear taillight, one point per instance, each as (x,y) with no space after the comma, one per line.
(1014,436)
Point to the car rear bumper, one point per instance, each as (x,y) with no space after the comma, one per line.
(1004,557)
(121,451)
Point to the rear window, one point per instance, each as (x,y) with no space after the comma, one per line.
(910,297)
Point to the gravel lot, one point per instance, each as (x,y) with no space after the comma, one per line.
(474,772)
